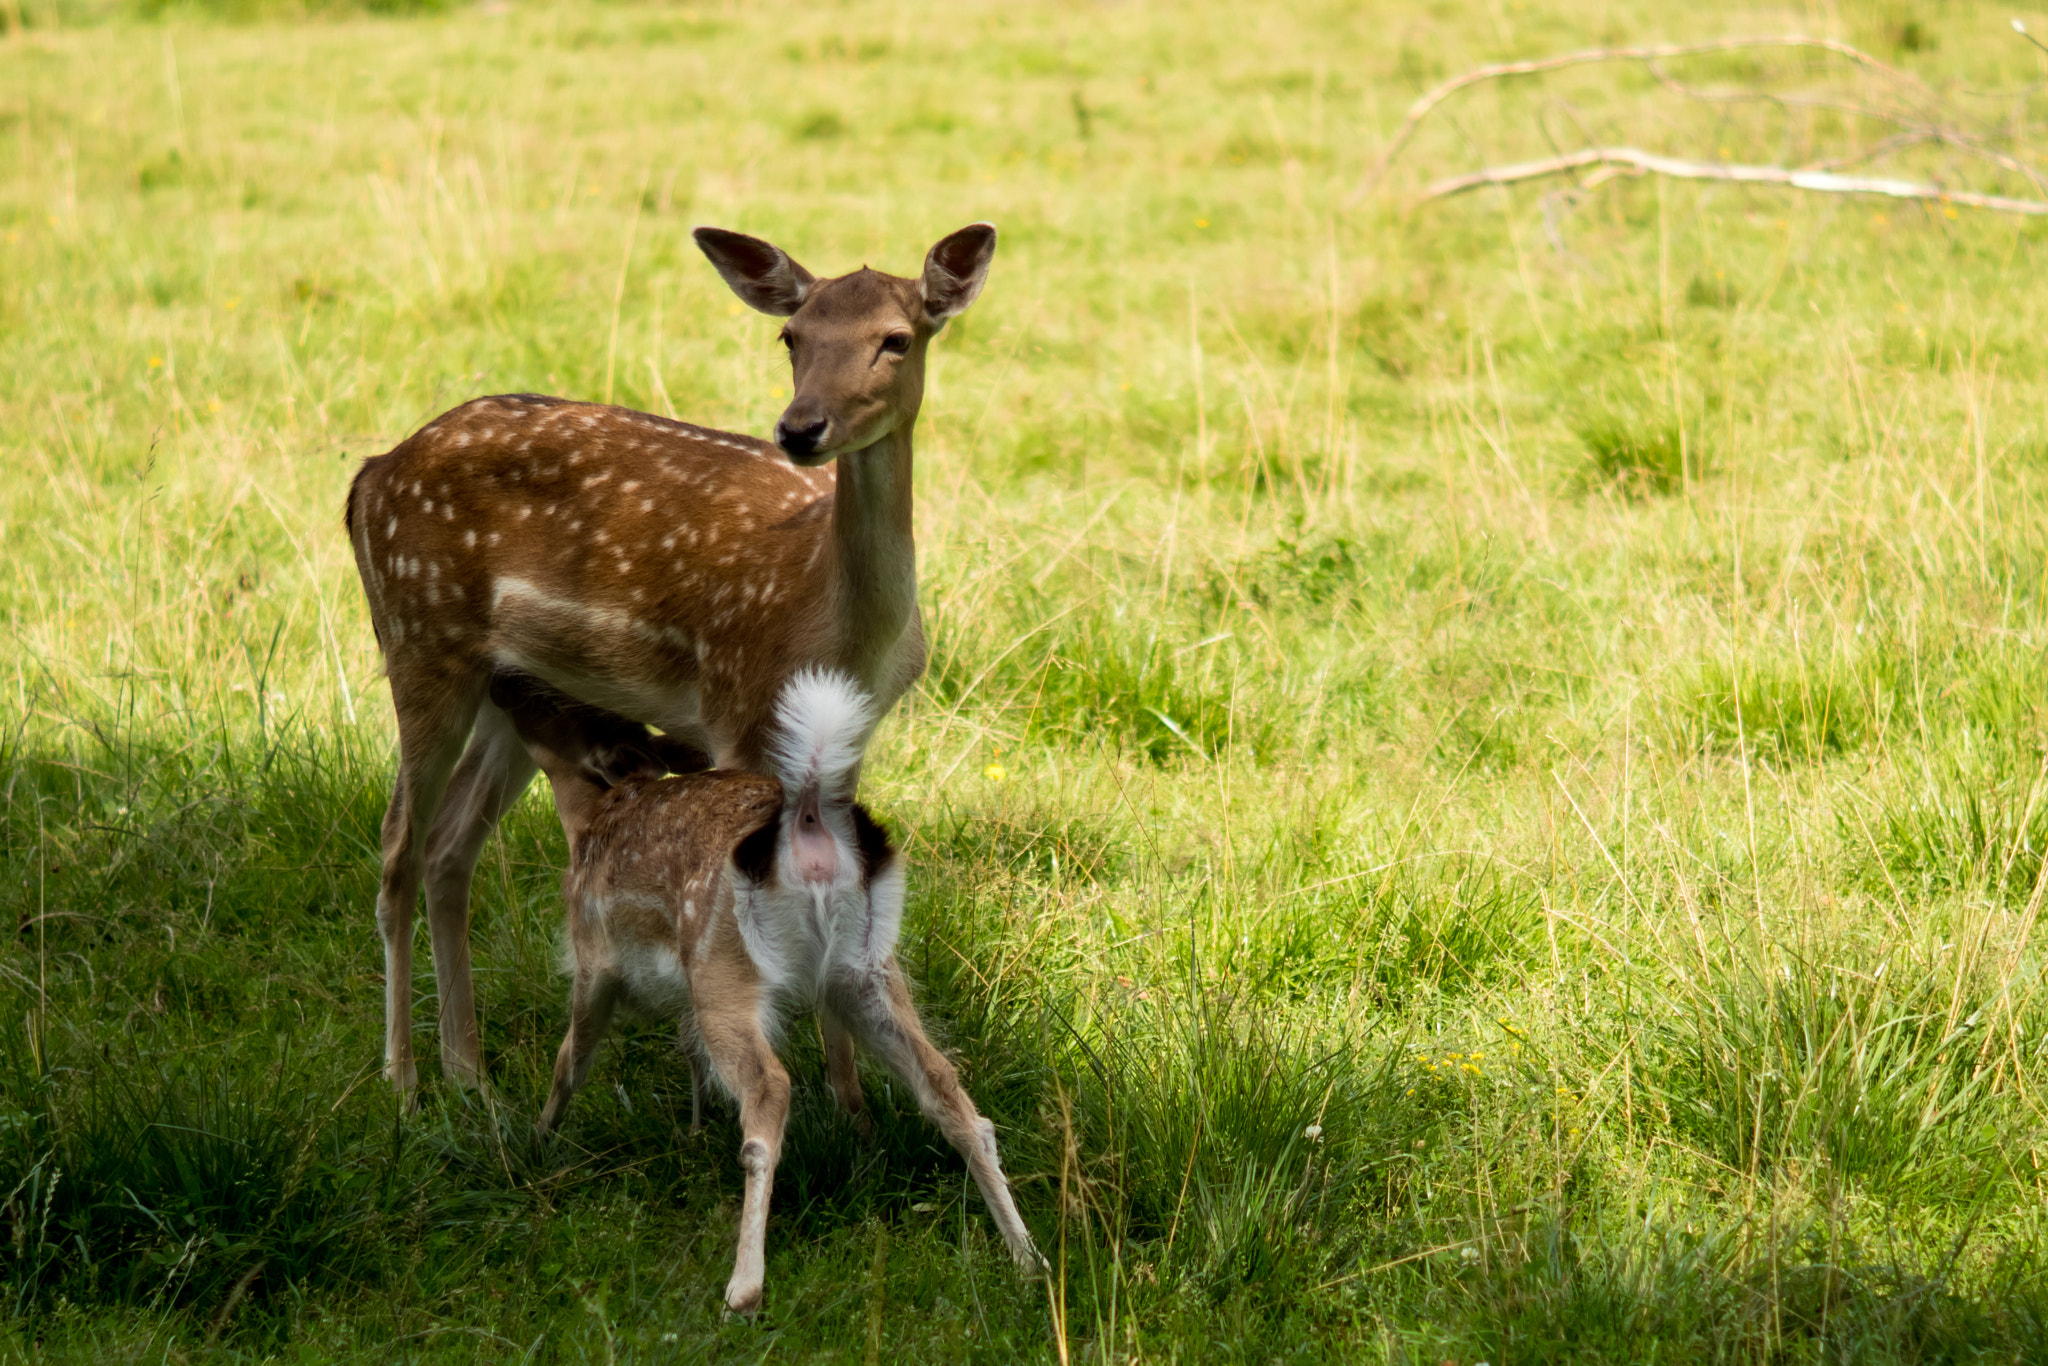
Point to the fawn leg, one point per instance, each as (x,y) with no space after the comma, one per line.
(696,1089)
(841,1073)
(730,1024)
(595,997)
(878,1007)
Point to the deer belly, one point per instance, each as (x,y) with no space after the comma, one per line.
(671,705)
(640,668)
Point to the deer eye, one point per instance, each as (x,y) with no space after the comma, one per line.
(896,343)
(788,342)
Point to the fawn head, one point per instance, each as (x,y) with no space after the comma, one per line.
(857,342)
(585,752)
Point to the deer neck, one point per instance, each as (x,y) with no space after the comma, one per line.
(874,551)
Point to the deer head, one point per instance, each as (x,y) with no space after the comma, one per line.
(857,342)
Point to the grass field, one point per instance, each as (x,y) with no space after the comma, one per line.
(1482,792)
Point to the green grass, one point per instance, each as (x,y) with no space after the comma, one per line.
(1480,794)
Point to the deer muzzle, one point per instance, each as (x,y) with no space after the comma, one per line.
(802,431)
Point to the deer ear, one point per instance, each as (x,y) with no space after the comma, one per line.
(955,270)
(761,273)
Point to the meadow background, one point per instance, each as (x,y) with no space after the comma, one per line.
(1482,789)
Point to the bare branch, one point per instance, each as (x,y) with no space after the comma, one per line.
(1634,158)
(1874,151)
(1422,107)
(1922,127)
(1861,111)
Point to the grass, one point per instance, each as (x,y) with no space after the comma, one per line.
(1480,794)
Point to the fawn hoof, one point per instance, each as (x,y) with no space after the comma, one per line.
(743,1301)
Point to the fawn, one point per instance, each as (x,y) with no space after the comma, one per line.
(736,900)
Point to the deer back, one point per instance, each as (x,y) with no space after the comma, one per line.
(648,567)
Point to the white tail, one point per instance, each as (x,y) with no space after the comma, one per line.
(822,724)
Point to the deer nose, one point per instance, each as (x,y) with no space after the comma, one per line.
(800,439)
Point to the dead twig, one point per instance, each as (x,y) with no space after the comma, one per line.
(1642,162)
(1422,107)
(1872,152)
(1786,102)
(1921,126)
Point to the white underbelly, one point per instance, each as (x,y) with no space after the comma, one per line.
(652,981)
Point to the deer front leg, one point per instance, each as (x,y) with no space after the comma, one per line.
(595,996)
(879,1009)
(740,1055)
(842,1073)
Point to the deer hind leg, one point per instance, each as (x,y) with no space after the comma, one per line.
(729,1021)
(842,1074)
(433,722)
(494,770)
(879,1009)
(594,998)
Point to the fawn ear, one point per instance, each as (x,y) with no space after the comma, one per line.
(955,270)
(761,273)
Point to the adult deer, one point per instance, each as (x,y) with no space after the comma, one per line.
(675,575)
